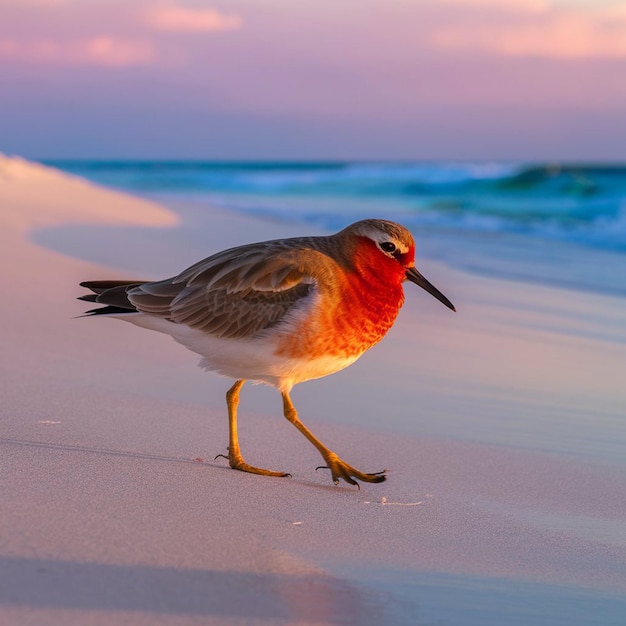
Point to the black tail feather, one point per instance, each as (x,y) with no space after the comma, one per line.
(111,293)
(107,310)
(90,297)
(99,286)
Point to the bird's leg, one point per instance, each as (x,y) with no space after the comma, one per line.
(235,459)
(339,469)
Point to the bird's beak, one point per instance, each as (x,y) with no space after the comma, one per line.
(415,277)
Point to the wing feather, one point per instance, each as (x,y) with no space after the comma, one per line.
(236,293)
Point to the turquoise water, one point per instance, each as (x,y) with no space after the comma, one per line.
(579,203)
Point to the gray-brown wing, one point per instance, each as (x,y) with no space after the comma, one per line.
(237,293)
(267,266)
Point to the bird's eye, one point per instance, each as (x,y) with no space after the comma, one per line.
(388,246)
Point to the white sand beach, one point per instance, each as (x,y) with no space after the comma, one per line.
(507,506)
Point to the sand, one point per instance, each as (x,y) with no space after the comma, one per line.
(114,511)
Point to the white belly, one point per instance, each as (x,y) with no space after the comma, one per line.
(251,359)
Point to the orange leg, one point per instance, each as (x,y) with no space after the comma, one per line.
(338,468)
(235,459)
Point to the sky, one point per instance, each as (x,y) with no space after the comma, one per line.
(521,80)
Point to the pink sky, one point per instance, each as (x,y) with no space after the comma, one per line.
(438,79)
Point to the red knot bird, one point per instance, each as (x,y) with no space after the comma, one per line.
(280,312)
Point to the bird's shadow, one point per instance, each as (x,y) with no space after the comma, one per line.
(67,447)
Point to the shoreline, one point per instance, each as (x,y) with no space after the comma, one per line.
(515,257)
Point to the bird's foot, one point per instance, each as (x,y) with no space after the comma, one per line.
(236,462)
(341,470)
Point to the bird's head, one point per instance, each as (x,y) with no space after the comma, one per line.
(397,247)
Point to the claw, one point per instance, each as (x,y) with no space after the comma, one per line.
(341,470)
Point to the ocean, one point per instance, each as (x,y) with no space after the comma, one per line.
(562,225)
